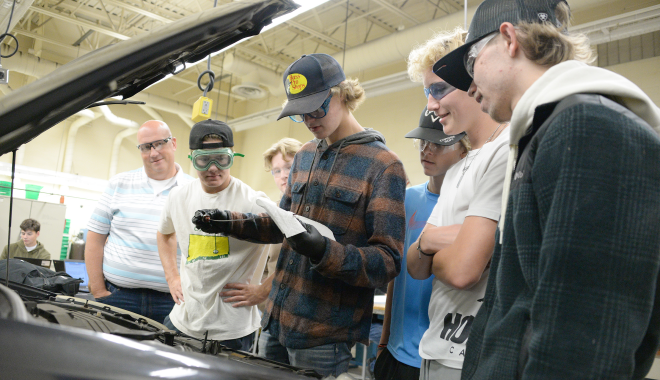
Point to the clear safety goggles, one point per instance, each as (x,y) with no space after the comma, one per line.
(473,52)
(420,145)
(222,158)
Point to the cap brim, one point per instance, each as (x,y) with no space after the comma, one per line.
(452,69)
(307,104)
(434,136)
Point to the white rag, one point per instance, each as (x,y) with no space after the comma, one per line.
(289,223)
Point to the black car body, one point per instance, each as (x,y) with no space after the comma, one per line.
(50,336)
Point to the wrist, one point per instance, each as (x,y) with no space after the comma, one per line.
(419,247)
(264,289)
(169,277)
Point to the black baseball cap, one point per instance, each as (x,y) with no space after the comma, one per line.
(308,81)
(431,130)
(208,127)
(487,19)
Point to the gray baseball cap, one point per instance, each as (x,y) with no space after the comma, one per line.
(487,19)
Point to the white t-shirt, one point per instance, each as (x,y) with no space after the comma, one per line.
(160,185)
(209,262)
(478,193)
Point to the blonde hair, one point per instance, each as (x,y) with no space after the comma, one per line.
(287,146)
(547,45)
(422,58)
(351,93)
(465,142)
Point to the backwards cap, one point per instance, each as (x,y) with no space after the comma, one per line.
(487,19)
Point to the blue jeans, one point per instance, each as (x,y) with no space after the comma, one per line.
(328,359)
(146,302)
(243,344)
(271,348)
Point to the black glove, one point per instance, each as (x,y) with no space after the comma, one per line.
(310,243)
(213,221)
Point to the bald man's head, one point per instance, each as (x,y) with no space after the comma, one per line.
(157,147)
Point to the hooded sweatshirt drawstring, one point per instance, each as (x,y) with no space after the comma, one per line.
(364,137)
(309,175)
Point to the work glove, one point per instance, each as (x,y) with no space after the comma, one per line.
(310,243)
(213,221)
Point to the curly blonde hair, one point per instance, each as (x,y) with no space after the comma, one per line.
(422,58)
(351,92)
(547,44)
(287,146)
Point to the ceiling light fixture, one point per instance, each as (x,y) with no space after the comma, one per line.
(305,5)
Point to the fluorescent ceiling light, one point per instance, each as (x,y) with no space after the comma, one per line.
(305,5)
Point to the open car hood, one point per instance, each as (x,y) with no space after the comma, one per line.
(50,336)
(128,67)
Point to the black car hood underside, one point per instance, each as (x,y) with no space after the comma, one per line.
(128,67)
(58,339)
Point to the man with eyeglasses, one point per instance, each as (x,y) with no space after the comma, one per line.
(574,289)
(209,261)
(122,260)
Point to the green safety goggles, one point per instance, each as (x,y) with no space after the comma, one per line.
(223,158)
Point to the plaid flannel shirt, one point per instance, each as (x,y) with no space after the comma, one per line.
(356,187)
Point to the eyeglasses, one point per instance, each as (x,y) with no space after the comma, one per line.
(222,158)
(438,90)
(420,145)
(318,114)
(278,172)
(158,145)
(473,52)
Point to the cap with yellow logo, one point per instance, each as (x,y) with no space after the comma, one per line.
(308,81)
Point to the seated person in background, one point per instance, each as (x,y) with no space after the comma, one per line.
(28,246)
(209,261)
(406,315)
(278,160)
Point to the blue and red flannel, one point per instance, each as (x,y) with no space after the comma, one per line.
(356,187)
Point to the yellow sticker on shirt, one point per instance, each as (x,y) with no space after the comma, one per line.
(205,247)
(296,83)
